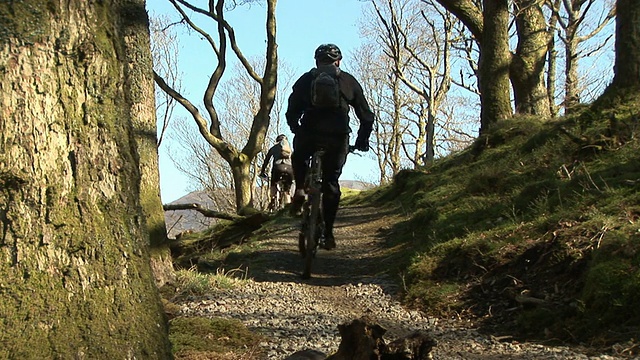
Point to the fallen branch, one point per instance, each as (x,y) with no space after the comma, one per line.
(204,211)
(186,251)
(529,300)
(576,139)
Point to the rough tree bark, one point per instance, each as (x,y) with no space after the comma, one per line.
(139,88)
(489,24)
(75,274)
(528,64)
(494,63)
(627,64)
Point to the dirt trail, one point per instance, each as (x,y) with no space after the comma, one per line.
(348,282)
(358,258)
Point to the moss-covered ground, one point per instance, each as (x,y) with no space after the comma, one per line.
(534,230)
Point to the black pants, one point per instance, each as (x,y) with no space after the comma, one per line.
(336,148)
(282,172)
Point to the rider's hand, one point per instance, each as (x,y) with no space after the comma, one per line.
(362,145)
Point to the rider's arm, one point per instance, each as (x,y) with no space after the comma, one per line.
(297,102)
(267,160)
(363,112)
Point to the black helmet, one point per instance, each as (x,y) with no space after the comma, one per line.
(328,52)
(280,137)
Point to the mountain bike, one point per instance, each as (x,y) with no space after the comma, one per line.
(311,235)
(312,230)
(278,201)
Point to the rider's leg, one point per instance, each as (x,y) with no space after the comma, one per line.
(287,194)
(273,189)
(333,162)
(273,192)
(330,202)
(287,181)
(303,148)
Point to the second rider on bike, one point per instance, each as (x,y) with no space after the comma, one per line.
(281,169)
(328,127)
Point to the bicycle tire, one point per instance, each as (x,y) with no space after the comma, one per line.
(311,230)
(312,234)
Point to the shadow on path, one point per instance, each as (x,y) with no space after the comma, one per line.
(359,257)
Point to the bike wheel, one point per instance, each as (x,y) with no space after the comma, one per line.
(311,234)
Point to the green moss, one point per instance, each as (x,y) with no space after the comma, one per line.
(211,336)
(550,208)
(612,283)
(24,20)
(439,297)
(78,283)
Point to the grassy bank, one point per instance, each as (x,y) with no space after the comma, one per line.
(534,229)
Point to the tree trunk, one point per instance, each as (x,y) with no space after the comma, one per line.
(528,64)
(430,151)
(552,54)
(423,147)
(242,183)
(395,141)
(494,63)
(76,280)
(141,102)
(627,64)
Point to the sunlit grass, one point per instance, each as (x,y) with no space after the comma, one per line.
(193,282)
(549,208)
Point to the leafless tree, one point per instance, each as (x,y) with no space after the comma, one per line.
(387,98)
(165,51)
(528,59)
(210,126)
(418,43)
(498,66)
(552,56)
(204,167)
(579,22)
(405,67)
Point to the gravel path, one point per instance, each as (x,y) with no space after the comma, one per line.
(348,283)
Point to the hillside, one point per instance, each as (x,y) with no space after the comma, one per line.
(533,230)
(528,237)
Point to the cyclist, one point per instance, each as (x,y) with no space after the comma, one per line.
(315,125)
(280,169)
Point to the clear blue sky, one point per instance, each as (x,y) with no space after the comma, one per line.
(302,25)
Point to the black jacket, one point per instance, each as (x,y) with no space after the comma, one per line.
(301,115)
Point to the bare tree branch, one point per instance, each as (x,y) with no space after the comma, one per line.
(204,211)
